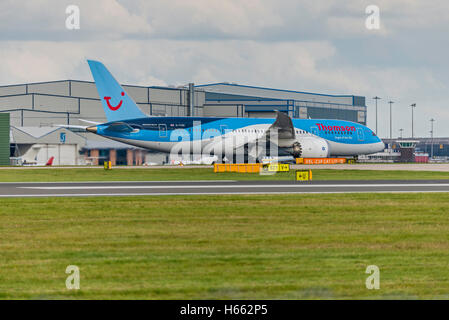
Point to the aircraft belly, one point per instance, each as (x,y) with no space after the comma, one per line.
(166,146)
(346,149)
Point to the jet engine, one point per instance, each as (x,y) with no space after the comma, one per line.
(309,147)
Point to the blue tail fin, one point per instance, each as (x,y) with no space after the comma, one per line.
(117,104)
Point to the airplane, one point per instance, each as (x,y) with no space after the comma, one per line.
(29,158)
(35,163)
(50,161)
(223,137)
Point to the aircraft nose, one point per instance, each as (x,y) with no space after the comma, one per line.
(92,129)
(380,146)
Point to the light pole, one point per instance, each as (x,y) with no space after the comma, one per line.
(413,107)
(376,98)
(431,137)
(401,130)
(391,121)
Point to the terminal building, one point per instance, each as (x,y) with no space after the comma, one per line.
(436,149)
(36,110)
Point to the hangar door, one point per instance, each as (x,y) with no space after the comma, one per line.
(65,154)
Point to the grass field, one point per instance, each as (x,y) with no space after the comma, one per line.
(142,174)
(220,247)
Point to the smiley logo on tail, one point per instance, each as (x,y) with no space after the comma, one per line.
(117,106)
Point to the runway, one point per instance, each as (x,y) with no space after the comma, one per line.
(155,188)
(438,167)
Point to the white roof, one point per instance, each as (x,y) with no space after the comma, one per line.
(37,132)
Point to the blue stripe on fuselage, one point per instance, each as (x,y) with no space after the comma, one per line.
(152,128)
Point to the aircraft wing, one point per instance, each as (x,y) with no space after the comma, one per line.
(281,133)
(282,129)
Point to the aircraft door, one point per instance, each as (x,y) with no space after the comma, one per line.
(360,135)
(162,131)
(314,130)
(223,129)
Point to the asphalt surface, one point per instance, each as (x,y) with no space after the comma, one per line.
(63,189)
(438,167)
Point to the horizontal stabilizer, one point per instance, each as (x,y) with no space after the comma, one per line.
(71,126)
(89,121)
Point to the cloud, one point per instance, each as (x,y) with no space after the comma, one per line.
(215,19)
(45,20)
(300,65)
(31,61)
(317,46)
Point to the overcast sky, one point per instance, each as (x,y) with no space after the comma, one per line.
(318,46)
